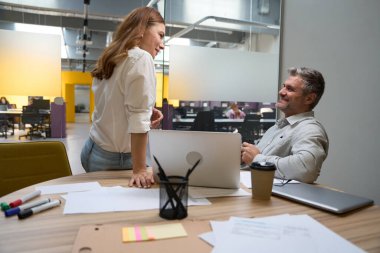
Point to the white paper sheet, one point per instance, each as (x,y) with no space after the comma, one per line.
(62,188)
(245,179)
(113,199)
(205,192)
(288,234)
(219,226)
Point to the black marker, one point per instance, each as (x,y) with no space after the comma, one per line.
(18,209)
(29,212)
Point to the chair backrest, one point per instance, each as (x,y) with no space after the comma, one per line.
(250,129)
(204,121)
(26,163)
(3,120)
(31,115)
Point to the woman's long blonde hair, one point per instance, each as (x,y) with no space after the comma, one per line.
(128,35)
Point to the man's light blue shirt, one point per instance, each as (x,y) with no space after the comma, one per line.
(297,145)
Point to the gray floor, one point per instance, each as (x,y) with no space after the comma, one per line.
(76,133)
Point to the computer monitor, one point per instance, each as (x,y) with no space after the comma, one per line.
(43,104)
(31,98)
(224,104)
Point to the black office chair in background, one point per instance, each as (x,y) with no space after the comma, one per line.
(271,116)
(4,123)
(32,121)
(204,121)
(250,128)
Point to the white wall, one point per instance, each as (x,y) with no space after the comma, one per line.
(198,73)
(82,96)
(341,38)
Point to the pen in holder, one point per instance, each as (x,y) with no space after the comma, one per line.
(173,197)
(174,193)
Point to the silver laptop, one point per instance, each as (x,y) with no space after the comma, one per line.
(177,151)
(322,198)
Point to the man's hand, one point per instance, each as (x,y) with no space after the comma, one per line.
(141,179)
(248,152)
(156,118)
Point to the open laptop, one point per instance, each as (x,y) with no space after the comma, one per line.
(219,153)
(323,198)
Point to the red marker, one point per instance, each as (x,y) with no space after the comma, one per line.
(25,198)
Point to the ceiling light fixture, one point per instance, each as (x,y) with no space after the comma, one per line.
(222,19)
(85,38)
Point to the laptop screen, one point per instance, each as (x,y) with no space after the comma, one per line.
(219,153)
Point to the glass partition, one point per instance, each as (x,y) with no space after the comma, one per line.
(220,53)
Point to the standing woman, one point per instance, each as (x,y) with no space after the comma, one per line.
(124,85)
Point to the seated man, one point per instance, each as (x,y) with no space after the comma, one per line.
(297,144)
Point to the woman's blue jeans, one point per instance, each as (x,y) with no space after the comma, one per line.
(94,158)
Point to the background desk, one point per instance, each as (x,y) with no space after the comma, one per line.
(220,123)
(51,231)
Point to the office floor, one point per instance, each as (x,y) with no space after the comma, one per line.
(76,133)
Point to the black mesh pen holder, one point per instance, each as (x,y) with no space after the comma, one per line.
(173,198)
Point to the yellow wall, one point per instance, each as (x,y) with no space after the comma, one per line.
(163,90)
(68,81)
(71,78)
(30,65)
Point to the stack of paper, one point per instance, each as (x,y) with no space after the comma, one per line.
(284,233)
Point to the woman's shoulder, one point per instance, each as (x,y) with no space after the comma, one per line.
(137,53)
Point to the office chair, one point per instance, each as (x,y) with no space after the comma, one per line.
(4,125)
(31,116)
(3,121)
(27,163)
(250,128)
(204,121)
(268,115)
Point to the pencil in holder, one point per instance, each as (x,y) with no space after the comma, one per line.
(173,198)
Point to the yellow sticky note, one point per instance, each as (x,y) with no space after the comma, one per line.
(157,232)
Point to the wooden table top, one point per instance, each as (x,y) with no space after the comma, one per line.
(51,231)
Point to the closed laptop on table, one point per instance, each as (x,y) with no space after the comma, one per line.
(322,198)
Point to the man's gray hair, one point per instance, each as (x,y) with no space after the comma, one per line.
(313,82)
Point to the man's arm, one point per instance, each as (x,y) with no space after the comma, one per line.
(298,158)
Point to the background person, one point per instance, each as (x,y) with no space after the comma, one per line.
(235,112)
(4,101)
(124,86)
(297,144)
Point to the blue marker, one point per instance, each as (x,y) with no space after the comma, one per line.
(18,209)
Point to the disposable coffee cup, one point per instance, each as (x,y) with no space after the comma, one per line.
(262,175)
